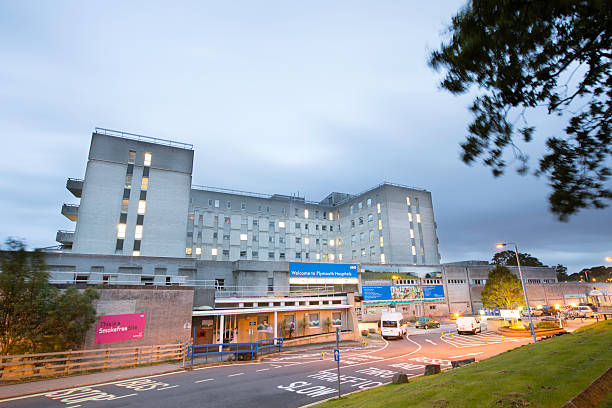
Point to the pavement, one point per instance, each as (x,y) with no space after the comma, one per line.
(292,378)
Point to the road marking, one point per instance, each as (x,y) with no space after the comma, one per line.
(467,355)
(429,341)
(167,388)
(233,375)
(263,369)
(208,379)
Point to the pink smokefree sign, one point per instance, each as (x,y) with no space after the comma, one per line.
(112,328)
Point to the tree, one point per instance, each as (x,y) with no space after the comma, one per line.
(34,315)
(523,55)
(503,290)
(561,273)
(596,274)
(508,258)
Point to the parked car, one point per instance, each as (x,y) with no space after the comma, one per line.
(585,311)
(426,323)
(549,310)
(534,312)
(469,324)
(592,306)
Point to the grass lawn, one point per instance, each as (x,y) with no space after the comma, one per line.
(546,374)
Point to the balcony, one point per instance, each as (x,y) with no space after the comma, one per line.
(64,237)
(70,211)
(75,186)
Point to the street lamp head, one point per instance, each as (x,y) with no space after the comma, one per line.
(608,258)
(500,245)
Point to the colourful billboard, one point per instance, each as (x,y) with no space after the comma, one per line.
(403,293)
(123,327)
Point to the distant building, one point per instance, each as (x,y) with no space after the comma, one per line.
(137,198)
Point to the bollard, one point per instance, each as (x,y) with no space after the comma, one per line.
(451,336)
(322,356)
(502,337)
(486,342)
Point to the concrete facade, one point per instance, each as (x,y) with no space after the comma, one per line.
(137,199)
(168,313)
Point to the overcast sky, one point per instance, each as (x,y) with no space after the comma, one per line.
(276,97)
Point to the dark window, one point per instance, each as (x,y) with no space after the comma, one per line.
(167,277)
(119,246)
(219,284)
(126,193)
(130,169)
(139,219)
(145,171)
(143,194)
(137,245)
(146,280)
(270,284)
(123,218)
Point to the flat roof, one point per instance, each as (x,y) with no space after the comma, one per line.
(230,312)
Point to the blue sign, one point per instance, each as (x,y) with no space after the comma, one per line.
(433,291)
(376,292)
(336,355)
(322,270)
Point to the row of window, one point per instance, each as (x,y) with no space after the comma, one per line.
(214,252)
(456,281)
(327,215)
(271,224)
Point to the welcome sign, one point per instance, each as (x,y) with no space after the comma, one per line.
(123,327)
(323,273)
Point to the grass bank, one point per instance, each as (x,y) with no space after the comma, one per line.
(546,374)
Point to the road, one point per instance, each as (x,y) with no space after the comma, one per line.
(285,380)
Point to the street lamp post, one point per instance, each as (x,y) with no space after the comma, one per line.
(518,263)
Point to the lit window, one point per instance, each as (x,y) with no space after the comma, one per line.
(216,203)
(379,224)
(369,202)
(378,207)
(128,181)
(198,251)
(408,200)
(332,242)
(188,251)
(382,258)
(411,233)
(305,213)
(351,209)
(413,250)
(371,235)
(363,252)
(331,216)
(332,257)
(370,217)
(138,232)
(142,206)
(360,205)
(121,230)
(325,257)
(135,253)
(124,205)
(418,217)
(213,252)
(306,241)
(410,217)
(339,257)
(281,224)
(381,241)
(145,183)
(317,256)
(147,159)
(422,251)
(132,157)
(244,237)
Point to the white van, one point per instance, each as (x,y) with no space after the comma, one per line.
(469,324)
(393,324)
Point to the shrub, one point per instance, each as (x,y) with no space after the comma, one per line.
(547,325)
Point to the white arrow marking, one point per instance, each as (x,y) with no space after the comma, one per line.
(467,355)
(429,341)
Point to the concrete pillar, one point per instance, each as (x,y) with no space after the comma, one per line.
(275,325)
(222,326)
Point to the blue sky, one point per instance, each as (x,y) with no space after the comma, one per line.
(277,97)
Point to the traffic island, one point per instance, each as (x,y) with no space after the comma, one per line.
(510,332)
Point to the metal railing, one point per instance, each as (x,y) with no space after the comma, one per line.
(237,351)
(143,138)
